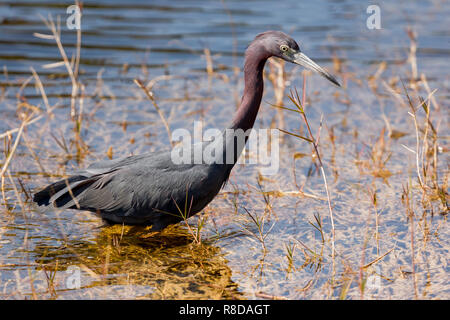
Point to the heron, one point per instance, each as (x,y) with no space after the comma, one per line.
(150,189)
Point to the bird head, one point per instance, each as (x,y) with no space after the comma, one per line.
(280,45)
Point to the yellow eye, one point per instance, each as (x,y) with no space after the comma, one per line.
(284,48)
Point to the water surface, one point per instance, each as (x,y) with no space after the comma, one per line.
(166,41)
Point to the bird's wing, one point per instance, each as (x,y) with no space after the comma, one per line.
(109,192)
(104,166)
(68,193)
(138,186)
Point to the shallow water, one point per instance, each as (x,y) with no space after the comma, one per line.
(121,42)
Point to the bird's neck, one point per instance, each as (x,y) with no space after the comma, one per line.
(245,116)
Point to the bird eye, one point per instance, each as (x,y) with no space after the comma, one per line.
(284,48)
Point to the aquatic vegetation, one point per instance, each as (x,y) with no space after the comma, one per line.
(376,229)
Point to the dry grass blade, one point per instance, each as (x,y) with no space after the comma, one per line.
(296,135)
(295,98)
(16,143)
(41,89)
(259,222)
(284,108)
(377,259)
(72,75)
(149,95)
(9,132)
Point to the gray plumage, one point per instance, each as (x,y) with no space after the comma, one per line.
(144,189)
(150,189)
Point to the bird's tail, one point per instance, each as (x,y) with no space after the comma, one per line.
(62,192)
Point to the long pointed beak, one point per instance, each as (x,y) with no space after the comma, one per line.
(303,60)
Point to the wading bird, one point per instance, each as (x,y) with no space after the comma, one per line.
(149,189)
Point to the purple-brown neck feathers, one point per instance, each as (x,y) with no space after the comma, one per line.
(255,59)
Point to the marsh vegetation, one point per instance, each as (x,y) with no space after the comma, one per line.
(358,209)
